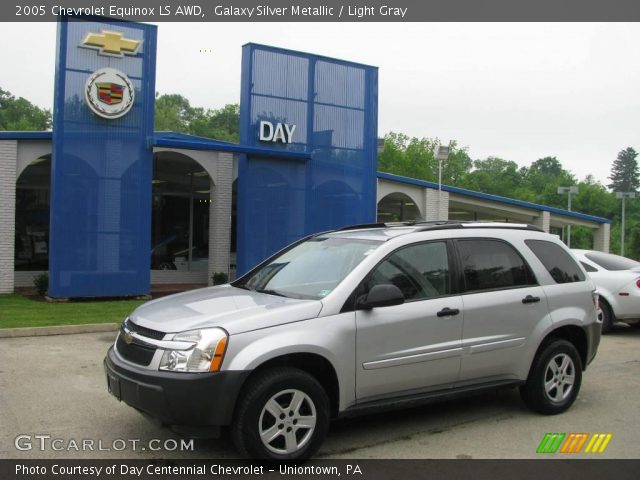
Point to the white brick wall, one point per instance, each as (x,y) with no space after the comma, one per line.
(220,216)
(602,238)
(543,221)
(436,207)
(8,159)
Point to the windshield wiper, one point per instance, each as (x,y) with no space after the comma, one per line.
(271,292)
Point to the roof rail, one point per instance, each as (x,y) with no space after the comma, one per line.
(474,224)
(404,223)
(441,225)
(423,226)
(361,226)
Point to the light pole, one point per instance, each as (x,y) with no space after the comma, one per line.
(571,191)
(443,154)
(623,196)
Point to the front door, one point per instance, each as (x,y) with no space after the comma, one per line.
(416,346)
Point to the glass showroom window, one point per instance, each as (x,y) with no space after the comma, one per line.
(32,216)
(180,222)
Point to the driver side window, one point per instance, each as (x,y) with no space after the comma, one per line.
(420,271)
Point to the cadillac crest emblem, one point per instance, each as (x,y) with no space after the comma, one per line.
(109,93)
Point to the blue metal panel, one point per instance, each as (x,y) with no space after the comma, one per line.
(101,170)
(333,104)
(8,135)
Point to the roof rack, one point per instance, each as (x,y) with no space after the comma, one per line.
(361,226)
(423,226)
(473,224)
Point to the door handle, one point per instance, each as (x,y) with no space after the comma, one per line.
(446,312)
(530,299)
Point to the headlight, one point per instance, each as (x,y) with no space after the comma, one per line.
(206,355)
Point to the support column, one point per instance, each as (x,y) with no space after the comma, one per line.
(435,207)
(602,238)
(220,217)
(8,161)
(543,220)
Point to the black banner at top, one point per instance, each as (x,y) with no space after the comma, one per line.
(327,10)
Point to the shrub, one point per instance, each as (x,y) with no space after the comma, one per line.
(220,278)
(41,282)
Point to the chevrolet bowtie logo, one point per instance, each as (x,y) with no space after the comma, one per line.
(111,43)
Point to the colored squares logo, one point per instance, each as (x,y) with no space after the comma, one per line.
(574,443)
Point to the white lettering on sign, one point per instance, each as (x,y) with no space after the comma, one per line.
(280,132)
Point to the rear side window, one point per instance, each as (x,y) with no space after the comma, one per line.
(588,267)
(557,261)
(608,261)
(492,264)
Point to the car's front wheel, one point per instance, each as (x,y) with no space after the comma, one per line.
(554,379)
(283,414)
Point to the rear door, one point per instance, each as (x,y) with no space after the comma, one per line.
(415,346)
(503,305)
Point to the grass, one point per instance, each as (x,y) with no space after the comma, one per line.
(19,311)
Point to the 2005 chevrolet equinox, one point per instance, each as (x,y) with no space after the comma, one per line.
(359,319)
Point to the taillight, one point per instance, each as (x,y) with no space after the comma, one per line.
(596,297)
(638,283)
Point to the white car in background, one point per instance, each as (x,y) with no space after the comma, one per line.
(618,282)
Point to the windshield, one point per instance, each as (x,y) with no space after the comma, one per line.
(310,270)
(609,261)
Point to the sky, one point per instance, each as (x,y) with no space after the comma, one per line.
(518,91)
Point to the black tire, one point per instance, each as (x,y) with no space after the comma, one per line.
(607,316)
(534,392)
(249,417)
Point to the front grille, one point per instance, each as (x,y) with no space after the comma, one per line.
(134,353)
(145,332)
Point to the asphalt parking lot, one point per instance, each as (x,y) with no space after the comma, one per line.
(55,386)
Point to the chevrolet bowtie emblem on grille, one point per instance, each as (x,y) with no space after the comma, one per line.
(126,336)
(112,44)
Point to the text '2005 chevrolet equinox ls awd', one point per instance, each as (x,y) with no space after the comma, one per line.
(359,319)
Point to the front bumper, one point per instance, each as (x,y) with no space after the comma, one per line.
(175,399)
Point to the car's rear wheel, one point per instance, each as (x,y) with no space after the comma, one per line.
(606,315)
(283,414)
(554,379)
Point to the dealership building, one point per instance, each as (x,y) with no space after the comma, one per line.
(108,206)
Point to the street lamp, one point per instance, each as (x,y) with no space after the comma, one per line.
(571,191)
(623,196)
(442,155)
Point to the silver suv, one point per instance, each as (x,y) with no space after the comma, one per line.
(359,319)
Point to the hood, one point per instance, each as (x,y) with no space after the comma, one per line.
(234,309)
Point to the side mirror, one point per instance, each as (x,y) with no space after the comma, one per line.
(384,295)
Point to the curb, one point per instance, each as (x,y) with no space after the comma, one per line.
(57,330)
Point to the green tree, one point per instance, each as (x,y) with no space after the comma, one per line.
(624,172)
(21,114)
(541,181)
(173,112)
(223,123)
(494,175)
(415,157)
